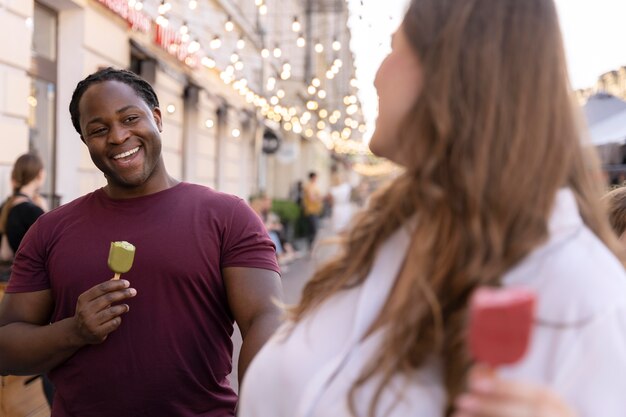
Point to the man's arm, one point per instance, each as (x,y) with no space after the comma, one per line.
(29,344)
(253,297)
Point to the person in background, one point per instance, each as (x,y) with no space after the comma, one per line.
(615,201)
(25,204)
(497,190)
(313,205)
(285,252)
(340,196)
(160,346)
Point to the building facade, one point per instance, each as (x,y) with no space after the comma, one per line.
(229,75)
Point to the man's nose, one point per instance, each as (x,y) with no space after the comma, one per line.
(119,134)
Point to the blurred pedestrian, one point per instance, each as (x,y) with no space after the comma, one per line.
(497,190)
(25,204)
(615,201)
(313,205)
(340,195)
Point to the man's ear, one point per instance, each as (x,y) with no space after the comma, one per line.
(156,113)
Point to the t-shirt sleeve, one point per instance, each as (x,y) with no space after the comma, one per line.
(29,266)
(246,242)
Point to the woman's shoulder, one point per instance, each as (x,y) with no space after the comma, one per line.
(578,279)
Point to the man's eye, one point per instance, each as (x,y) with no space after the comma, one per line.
(130,119)
(97,132)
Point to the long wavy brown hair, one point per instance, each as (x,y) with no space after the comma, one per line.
(493,135)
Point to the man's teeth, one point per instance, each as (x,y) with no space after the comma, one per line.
(125,154)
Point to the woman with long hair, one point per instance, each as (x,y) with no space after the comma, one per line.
(498,190)
(24,205)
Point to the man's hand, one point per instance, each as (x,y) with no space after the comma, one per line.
(97,315)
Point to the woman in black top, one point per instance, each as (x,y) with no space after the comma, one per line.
(25,204)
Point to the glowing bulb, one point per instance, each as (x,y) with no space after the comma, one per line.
(236,133)
(208,62)
(301,42)
(241,43)
(319,48)
(316,82)
(336,45)
(265,53)
(280,93)
(311,90)
(229,25)
(216,43)
(193,4)
(209,123)
(296,26)
(171,108)
(277,52)
(263,9)
(321,94)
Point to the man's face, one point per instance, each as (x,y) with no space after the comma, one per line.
(122,134)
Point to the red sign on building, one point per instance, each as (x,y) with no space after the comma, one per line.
(136,19)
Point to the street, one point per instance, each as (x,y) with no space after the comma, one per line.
(294,277)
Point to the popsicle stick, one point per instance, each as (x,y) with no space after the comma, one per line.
(116,276)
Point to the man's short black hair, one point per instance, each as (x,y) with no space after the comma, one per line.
(141,87)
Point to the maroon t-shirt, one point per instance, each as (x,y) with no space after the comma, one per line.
(172,353)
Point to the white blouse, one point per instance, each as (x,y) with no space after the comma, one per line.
(578,345)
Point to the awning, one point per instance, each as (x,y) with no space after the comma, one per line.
(609,130)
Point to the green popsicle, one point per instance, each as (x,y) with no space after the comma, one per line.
(121,257)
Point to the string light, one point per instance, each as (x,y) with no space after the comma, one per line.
(215,43)
(229,26)
(263,9)
(193,4)
(277,51)
(265,53)
(241,43)
(164,7)
(319,48)
(336,45)
(301,42)
(296,26)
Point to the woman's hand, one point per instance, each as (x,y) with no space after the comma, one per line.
(489,396)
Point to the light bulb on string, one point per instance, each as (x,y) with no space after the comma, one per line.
(184,29)
(241,43)
(319,47)
(216,42)
(164,7)
(336,45)
(263,9)
(229,26)
(277,51)
(193,4)
(265,53)
(296,26)
(301,42)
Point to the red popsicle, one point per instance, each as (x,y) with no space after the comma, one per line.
(500,324)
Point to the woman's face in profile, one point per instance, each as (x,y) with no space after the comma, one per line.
(398,83)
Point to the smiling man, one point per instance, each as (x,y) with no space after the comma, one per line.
(157,342)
